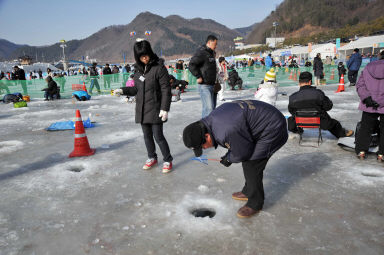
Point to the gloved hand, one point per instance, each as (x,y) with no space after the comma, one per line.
(163,115)
(369,102)
(118,92)
(225,161)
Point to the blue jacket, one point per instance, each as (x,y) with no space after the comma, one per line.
(354,62)
(249,129)
(268,62)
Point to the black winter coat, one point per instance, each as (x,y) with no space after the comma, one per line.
(234,78)
(179,66)
(309,98)
(318,67)
(203,65)
(153,93)
(20,74)
(249,129)
(52,88)
(181,84)
(107,70)
(341,70)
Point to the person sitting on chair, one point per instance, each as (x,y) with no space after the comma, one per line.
(309,98)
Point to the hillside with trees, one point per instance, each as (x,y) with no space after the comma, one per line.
(304,18)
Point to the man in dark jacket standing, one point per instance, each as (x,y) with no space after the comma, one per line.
(20,75)
(107,76)
(252,131)
(94,75)
(312,99)
(353,66)
(203,67)
(318,69)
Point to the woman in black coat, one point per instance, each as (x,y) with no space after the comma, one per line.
(153,100)
(318,69)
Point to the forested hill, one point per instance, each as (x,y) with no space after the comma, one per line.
(298,18)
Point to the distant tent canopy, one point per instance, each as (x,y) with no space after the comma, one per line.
(61,66)
(370,44)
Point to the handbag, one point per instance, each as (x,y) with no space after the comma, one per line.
(216,87)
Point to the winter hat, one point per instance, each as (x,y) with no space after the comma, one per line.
(194,137)
(270,75)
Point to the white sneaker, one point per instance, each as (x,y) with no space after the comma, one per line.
(167,167)
(150,163)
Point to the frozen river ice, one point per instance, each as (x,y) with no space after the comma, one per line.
(318,200)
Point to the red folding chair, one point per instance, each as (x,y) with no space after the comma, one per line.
(308,119)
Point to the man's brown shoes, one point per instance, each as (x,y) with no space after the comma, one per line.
(239,196)
(246,212)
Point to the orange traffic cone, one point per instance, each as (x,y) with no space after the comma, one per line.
(341,85)
(84,87)
(295,77)
(81,141)
(290,76)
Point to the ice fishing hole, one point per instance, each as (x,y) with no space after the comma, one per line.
(203,212)
(76,169)
(371,174)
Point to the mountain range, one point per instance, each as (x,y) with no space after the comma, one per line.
(172,36)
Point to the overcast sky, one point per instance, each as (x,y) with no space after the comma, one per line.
(44,22)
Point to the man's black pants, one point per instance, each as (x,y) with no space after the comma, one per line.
(156,130)
(253,188)
(364,136)
(352,76)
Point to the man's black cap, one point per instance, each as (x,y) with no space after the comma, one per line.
(194,137)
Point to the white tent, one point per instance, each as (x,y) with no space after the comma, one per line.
(370,44)
(241,57)
(328,49)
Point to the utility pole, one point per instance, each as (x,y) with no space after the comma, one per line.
(275,24)
(63,45)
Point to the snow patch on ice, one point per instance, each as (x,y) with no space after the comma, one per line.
(365,176)
(7,147)
(121,136)
(203,189)
(69,176)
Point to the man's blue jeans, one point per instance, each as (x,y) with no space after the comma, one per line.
(207,99)
(94,82)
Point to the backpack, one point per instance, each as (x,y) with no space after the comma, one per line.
(12,98)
